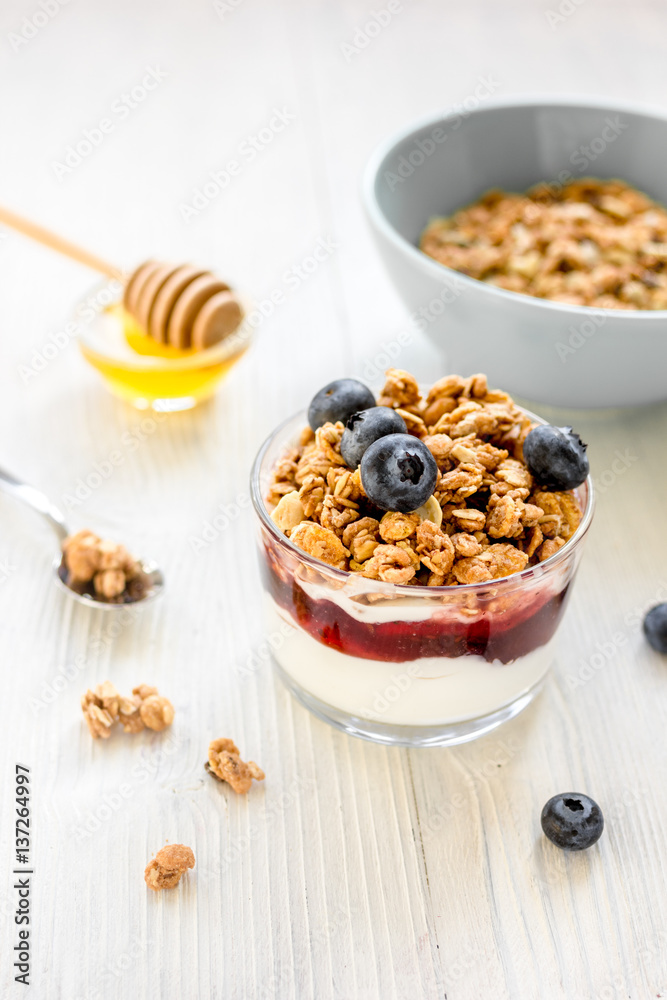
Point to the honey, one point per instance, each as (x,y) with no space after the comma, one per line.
(151,375)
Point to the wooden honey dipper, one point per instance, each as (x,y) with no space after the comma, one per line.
(179,305)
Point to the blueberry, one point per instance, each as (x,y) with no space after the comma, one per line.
(556,457)
(655,627)
(572,821)
(338,401)
(398,472)
(367,426)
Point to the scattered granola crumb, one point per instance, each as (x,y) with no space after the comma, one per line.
(100,709)
(129,715)
(157,712)
(486,518)
(144,691)
(225,763)
(102,569)
(104,707)
(591,243)
(165,869)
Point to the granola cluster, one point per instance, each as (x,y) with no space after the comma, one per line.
(165,869)
(102,568)
(487,518)
(225,763)
(590,243)
(146,708)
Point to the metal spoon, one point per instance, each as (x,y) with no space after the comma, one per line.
(39,502)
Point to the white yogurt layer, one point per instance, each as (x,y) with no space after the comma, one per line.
(426,692)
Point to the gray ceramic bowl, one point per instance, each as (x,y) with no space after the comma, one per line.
(546,351)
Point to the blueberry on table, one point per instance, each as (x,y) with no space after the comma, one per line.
(398,472)
(556,457)
(338,401)
(572,821)
(655,627)
(367,426)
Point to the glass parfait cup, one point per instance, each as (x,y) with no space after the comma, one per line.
(407,665)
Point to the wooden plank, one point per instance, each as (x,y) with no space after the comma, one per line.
(355,872)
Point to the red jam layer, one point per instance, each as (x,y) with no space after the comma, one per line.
(496,636)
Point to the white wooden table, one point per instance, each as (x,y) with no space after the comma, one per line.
(354,871)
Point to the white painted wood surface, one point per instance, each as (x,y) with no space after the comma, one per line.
(354,871)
